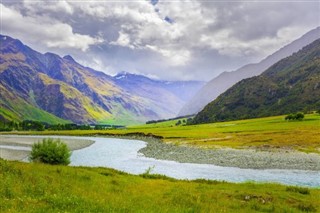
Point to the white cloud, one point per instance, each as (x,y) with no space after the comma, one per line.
(201,38)
(123,40)
(177,57)
(98,64)
(53,6)
(141,28)
(50,33)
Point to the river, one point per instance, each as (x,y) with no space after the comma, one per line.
(122,154)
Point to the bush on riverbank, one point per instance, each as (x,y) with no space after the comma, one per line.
(51,151)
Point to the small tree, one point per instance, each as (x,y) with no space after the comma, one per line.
(50,151)
(289,117)
(297,116)
(189,121)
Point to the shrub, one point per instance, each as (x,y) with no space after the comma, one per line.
(289,117)
(297,116)
(301,190)
(307,207)
(50,151)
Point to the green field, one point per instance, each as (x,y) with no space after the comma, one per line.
(44,188)
(261,133)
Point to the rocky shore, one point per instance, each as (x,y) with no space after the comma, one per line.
(242,158)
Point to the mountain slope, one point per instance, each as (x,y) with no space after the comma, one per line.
(291,85)
(225,80)
(167,95)
(18,109)
(55,87)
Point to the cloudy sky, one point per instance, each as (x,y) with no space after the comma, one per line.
(173,40)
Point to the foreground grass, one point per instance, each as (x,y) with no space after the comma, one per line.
(261,133)
(43,188)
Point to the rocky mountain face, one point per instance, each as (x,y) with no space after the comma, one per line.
(288,86)
(225,80)
(50,88)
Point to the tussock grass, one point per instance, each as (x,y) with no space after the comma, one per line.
(44,188)
(301,190)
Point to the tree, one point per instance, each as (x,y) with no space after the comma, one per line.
(289,117)
(32,125)
(51,151)
(297,116)
(189,121)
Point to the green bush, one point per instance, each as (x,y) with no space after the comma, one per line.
(50,151)
(297,116)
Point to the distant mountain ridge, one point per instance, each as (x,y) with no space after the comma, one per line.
(288,86)
(225,80)
(50,88)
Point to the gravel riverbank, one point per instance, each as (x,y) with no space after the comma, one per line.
(242,158)
(275,159)
(27,141)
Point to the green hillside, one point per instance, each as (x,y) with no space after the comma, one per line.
(291,85)
(17,110)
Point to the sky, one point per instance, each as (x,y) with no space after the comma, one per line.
(169,40)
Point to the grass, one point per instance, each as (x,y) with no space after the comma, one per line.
(261,133)
(44,188)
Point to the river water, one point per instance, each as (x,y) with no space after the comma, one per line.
(122,154)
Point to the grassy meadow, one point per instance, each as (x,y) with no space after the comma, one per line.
(260,133)
(30,187)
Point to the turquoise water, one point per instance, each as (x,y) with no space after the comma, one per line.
(122,154)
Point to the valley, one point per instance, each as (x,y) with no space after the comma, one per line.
(159,106)
(269,133)
(271,136)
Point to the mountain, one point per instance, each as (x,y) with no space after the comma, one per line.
(168,95)
(225,80)
(50,88)
(290,85)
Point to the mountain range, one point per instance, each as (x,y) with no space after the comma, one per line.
(47,87)
(225,80)
(288,86)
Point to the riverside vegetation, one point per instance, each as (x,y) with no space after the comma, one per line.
(269,133)
(39,187)
(46,188)
(50,151)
